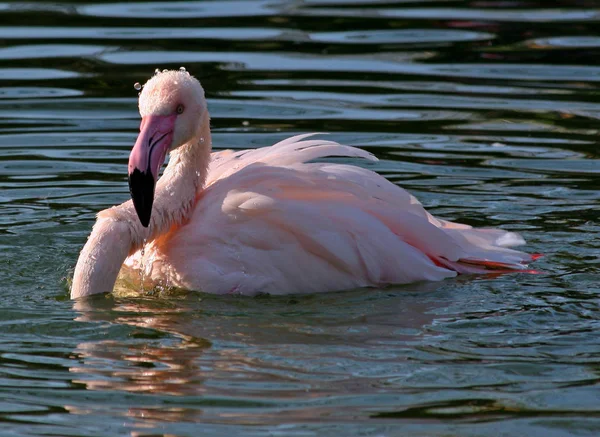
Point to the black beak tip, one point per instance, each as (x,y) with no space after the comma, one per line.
(141,188)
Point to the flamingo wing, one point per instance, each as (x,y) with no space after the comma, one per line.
(268,221)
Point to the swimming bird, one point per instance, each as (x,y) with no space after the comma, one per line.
(270,219)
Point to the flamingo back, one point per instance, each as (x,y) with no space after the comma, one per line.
(271,220)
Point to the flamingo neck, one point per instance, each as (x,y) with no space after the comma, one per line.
(175,194)
(118,231)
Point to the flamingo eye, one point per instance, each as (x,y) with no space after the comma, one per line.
(180,109)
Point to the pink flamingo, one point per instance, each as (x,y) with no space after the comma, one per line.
(265,220)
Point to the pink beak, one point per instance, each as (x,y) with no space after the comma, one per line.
(146,158)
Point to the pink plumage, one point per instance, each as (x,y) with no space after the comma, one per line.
(270,220)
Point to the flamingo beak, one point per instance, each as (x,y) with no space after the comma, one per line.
(146,158)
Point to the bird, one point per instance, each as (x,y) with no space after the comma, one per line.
(275,220)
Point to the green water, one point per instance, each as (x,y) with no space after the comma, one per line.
(487,111)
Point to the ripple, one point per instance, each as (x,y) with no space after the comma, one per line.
(51,51)
(180,9)
(322,109)
(258,61)
(588,166)
(422,100)
(414,85)
(491,14)
(91,140)
(401,36)
(565,42)
(69,109)
(35,74)
(53,167)
(37,92)
(141,33)
(398,63)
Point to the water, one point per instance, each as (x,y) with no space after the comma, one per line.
(487,111)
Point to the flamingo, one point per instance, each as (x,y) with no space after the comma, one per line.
(269,219)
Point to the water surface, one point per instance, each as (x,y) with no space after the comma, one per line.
(487,111)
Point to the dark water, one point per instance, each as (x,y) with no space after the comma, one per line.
(488,111)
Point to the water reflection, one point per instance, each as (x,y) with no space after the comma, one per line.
(145,365)
(193,345)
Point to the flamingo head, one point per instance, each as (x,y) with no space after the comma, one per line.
(171,105)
